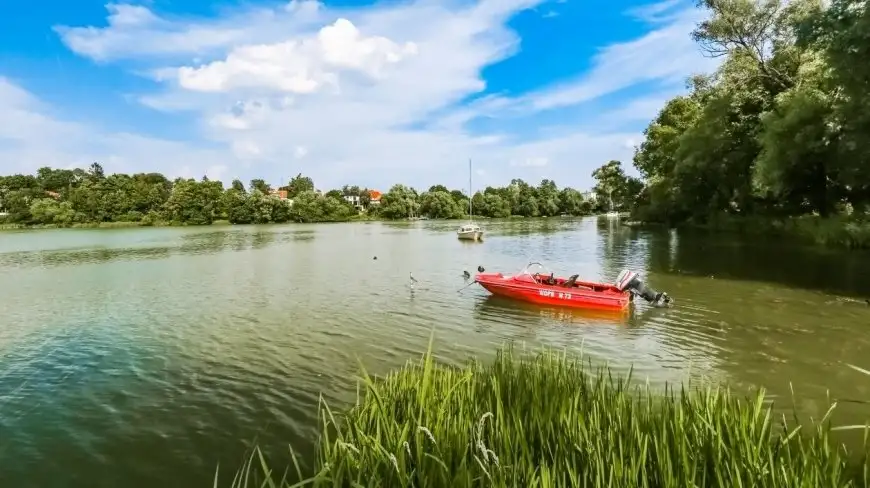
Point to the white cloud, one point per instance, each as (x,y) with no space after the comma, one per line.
(298,66)
(662,11)
(134,31)
(32,137)
(666,54)
(341,94)
(535,162)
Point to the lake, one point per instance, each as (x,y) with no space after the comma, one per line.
(148,357)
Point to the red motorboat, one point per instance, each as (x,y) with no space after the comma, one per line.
(545,288)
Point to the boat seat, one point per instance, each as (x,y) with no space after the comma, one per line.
(570,281)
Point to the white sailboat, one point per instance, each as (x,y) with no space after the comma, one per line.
(470,231)
(612,214)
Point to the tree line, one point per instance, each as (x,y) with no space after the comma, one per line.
(66,197)
(781,129)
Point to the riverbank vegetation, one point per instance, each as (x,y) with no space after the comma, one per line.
(90,198)
(781,130)
(553,420)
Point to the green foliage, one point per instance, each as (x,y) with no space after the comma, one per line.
(552,420)
(400,202)
(780,130)
(90,197)
(440,204)
(308,206)
(299,184)
(260,186)
(64,198)
(615,190)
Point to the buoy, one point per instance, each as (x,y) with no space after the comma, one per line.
(480,269)
(375,258)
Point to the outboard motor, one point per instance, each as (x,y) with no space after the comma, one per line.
(630,280)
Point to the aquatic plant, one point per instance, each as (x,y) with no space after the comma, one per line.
(553,420)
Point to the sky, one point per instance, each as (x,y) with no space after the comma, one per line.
(346,92)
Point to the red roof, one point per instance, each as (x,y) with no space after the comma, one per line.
(374,194)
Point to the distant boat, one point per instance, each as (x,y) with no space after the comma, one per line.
(470,231)
(612,214)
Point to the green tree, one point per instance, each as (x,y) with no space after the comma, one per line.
(50,211)
(798,163)
(571,202)
(261,186)
(842,33)
(337,194)
(548,198)
(299,184)
(399,202)
(439,204)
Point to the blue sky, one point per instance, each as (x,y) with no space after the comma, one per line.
(348,92)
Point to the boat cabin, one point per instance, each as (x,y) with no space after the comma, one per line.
(467,228)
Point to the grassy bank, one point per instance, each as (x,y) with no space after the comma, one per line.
(835,232)
(551,420)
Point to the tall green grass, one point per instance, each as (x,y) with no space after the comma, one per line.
(553,420)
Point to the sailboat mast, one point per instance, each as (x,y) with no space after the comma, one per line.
(470,195)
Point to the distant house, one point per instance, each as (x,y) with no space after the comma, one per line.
(281,194)
(590,196)
(53,194)
(375,197)
(354,200)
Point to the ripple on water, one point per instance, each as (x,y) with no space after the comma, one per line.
(160,353)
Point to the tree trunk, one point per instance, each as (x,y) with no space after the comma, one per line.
(821,191)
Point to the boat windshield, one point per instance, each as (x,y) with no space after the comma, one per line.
(534,268)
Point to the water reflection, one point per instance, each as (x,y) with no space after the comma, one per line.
(195,242)
(149,369)
(500,307)
(499,228)
(723,256)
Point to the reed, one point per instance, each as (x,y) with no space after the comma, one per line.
(553,420)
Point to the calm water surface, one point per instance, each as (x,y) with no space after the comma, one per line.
(146,357)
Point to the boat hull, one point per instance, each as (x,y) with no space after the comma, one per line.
(588,295)
(476,235)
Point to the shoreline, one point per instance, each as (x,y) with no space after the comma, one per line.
(840,233)
(221,223)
